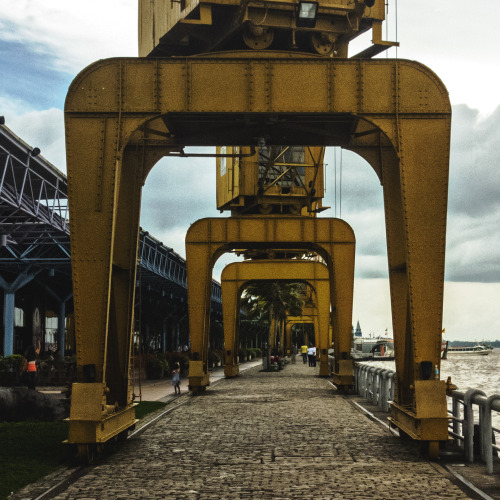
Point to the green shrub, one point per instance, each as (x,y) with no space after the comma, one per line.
(163,359)
(154,367)
(15,363)
(11,369)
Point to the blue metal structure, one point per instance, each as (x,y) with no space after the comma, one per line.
(35,244)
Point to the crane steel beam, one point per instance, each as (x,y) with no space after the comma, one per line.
(305,319)
(123,115)
(332,239)
(237,275)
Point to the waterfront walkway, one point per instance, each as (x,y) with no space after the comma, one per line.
(265,435)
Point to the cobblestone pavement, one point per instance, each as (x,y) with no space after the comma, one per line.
(265,435)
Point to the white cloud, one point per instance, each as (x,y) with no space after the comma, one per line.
(472,248)
(474,162)
(178,191)
(372,306)
(444,38)
(457,40)
(42,129)
(470,310)
(75,35)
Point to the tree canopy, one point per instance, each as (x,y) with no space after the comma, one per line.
(268,300)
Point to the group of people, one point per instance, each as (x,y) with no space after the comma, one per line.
(308,354)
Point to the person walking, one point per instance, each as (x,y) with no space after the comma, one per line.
(30,366)
(310,354)
(303,350)
(176,378)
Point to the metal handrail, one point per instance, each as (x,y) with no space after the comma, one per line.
(377,385)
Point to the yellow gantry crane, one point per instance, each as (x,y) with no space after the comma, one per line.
(242,74)
(335,294)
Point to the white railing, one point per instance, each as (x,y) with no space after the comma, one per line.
(470,432)
(470,415)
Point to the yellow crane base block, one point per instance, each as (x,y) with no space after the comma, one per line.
(231,371)
(344,378)
(198,378)
(92,420)
(428,420)
(324,369)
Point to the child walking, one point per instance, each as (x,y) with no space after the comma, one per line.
(176,378)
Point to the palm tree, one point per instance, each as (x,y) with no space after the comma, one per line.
(273,300)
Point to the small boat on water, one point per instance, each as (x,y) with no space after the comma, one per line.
(379,349)
(474,350)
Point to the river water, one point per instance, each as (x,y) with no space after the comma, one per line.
(466,372)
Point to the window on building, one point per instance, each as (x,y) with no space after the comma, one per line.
(51,333)
(18,317)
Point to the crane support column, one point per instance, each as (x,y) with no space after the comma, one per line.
(236,275)
(394,113)
(207,239)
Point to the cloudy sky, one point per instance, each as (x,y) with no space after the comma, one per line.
(43,45)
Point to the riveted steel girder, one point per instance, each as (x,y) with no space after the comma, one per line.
(299,320)
(237,275)
(208,239)
(306,318)
(122,115)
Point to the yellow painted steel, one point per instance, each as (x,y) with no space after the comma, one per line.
(311,305)
(300,320)
(207,239)
(237,275)
(122,115)
(186,27)
(309,315)
(274,179)
(307,318)
(92,419)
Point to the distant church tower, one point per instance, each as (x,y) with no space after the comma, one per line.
(358,332)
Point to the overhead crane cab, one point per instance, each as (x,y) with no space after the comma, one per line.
(188,27)
(270,180)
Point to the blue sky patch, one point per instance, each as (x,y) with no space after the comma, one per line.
(29,76)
